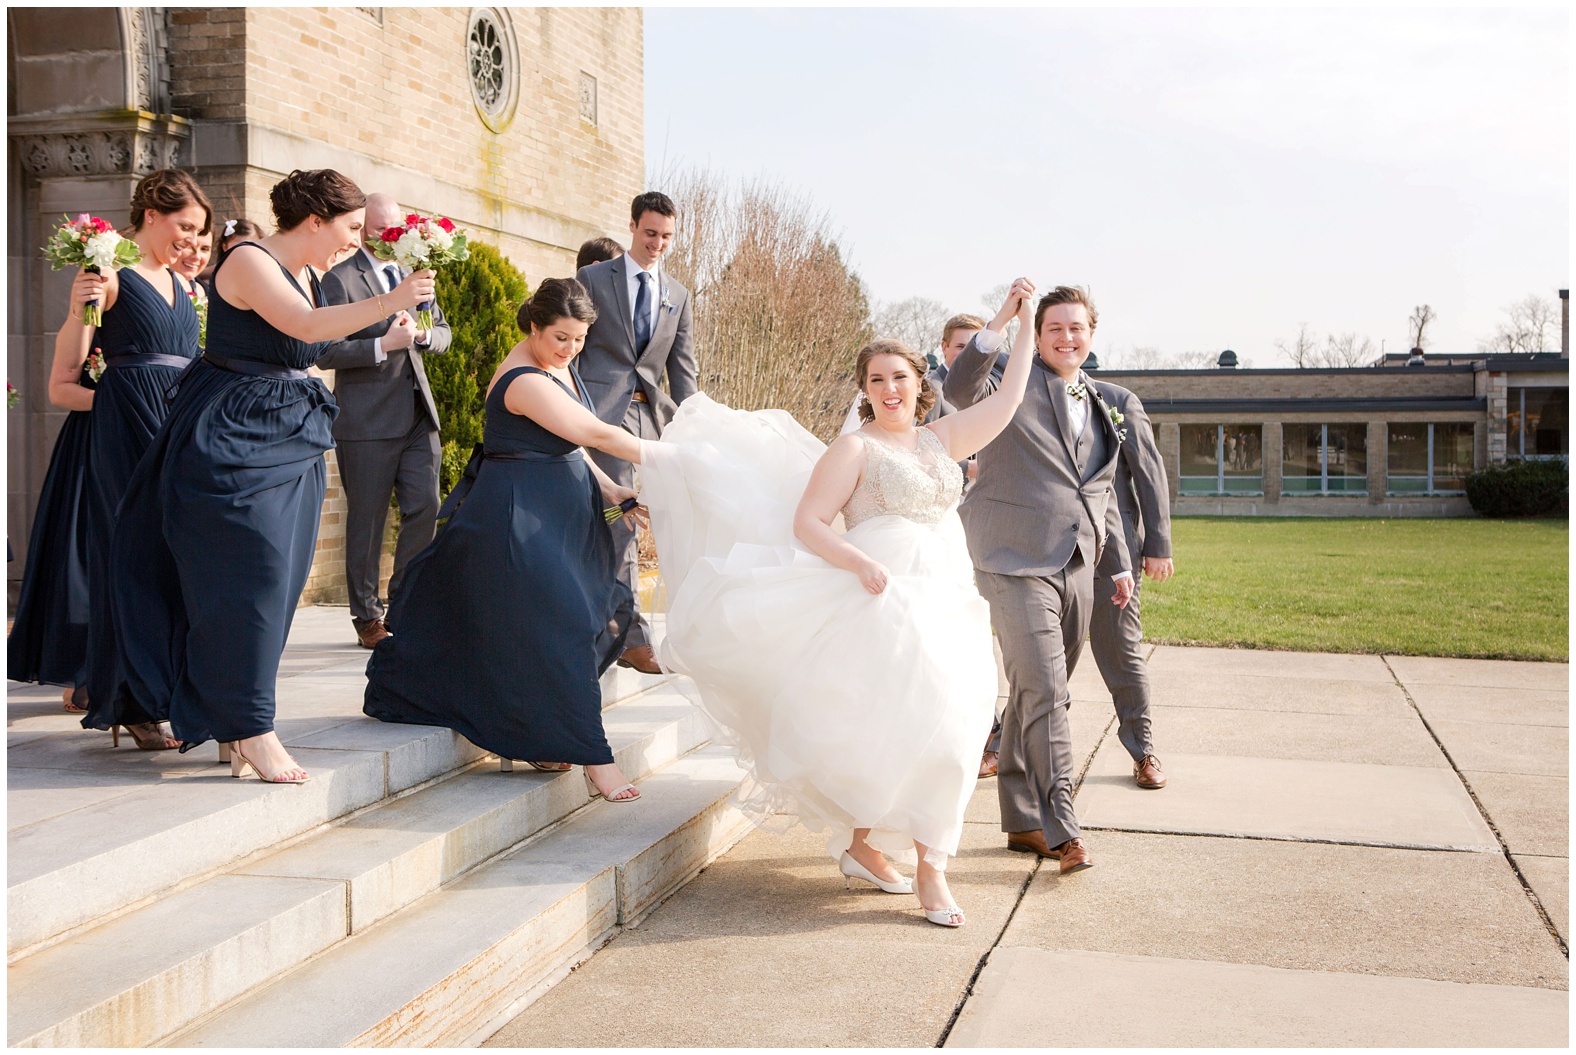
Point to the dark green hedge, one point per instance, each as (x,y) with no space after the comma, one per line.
(480,298)
(1521,489)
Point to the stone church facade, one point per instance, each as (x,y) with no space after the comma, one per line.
(526,125)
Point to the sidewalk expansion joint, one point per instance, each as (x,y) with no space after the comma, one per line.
(1504,847)
(1023,891)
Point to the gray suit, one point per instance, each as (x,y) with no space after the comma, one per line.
(613,372)
(1039,520)
(386,438)
(1116,635)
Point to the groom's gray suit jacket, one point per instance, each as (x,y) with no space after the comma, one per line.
(1043,493)
(608,364)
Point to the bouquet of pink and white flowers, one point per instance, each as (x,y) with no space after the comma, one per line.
(93,245)
(423,242)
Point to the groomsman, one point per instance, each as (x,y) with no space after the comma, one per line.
(1039,520)
(642,331)
(596,250)
(386,435)
(1116,635)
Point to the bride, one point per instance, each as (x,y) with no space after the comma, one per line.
(853,670)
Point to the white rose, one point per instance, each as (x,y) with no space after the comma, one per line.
(100,250)
(411,250)
(439,237)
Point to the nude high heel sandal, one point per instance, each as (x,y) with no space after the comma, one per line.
(239,764)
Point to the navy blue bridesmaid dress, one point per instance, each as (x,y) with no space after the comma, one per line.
(219,525)
(505,622)
(48,642)
(146,342)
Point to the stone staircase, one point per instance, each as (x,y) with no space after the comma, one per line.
(410,893)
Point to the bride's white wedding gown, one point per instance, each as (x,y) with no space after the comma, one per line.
(851,710)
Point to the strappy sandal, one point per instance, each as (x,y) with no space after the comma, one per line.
(613,796)
(147,737)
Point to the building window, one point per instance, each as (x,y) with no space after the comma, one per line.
(493,62)
(1428,459)
(1538,422)
(1221,460)
(1324,459)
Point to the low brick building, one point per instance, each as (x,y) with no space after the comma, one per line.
(526,125)
(1386,440)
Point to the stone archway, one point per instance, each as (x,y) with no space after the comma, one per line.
(88,102)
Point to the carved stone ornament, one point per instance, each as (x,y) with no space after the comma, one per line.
(119,146)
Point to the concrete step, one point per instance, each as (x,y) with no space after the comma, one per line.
(117,828)
(143,974)
(441,970)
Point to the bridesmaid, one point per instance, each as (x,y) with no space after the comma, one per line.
(219,524)
(48,642)
(509,617)
(234,232)
(147,337)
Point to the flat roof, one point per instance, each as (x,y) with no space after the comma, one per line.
(1334,405)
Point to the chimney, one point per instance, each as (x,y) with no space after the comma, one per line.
(1415,357)
(1565,324)
(1227,360)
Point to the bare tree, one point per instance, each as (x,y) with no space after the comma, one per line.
(917,322)
(1303,349)
(1526,328)
(1347,349)
(1195,360)
(1134,358)
(779,315)
(990,302)
(1422,316)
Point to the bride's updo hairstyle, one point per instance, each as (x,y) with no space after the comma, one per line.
(323,193)
(554,299)
(167,191)
(887,346)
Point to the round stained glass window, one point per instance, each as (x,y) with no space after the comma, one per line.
(493,63)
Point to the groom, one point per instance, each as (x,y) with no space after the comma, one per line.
(1039,520)
(642,330)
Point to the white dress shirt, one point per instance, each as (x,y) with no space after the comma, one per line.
(653,292)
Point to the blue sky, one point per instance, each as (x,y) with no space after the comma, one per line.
(1215,176)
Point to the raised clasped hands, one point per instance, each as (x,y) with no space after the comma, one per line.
(419,287)
(1019,302)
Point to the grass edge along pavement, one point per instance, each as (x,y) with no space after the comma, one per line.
(1466,588)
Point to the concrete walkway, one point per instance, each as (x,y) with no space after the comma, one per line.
(1353,850)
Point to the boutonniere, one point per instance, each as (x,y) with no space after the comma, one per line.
(1117,419)
(1078,391)
(666,303)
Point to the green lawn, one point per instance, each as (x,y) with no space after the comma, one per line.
(1479,588)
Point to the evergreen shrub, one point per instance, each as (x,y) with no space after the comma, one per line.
(480,298)
(1521,489)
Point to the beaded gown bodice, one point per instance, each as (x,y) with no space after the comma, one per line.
(920,485)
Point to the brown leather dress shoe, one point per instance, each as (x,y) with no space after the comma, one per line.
(642,658)
(990,762)
(1032,842)
(1074,856)
(370,634)
(1146,772)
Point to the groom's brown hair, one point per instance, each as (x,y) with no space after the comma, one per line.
(1066,295)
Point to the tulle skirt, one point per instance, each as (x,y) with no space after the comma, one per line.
(850,710)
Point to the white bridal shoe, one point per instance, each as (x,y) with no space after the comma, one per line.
(852,869)
(942,917)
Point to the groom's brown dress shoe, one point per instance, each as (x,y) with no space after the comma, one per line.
(369,634)
(1147,774)
(642,658)
(1032,842)
(1074,856)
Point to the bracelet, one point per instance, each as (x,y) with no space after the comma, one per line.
(379,298)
